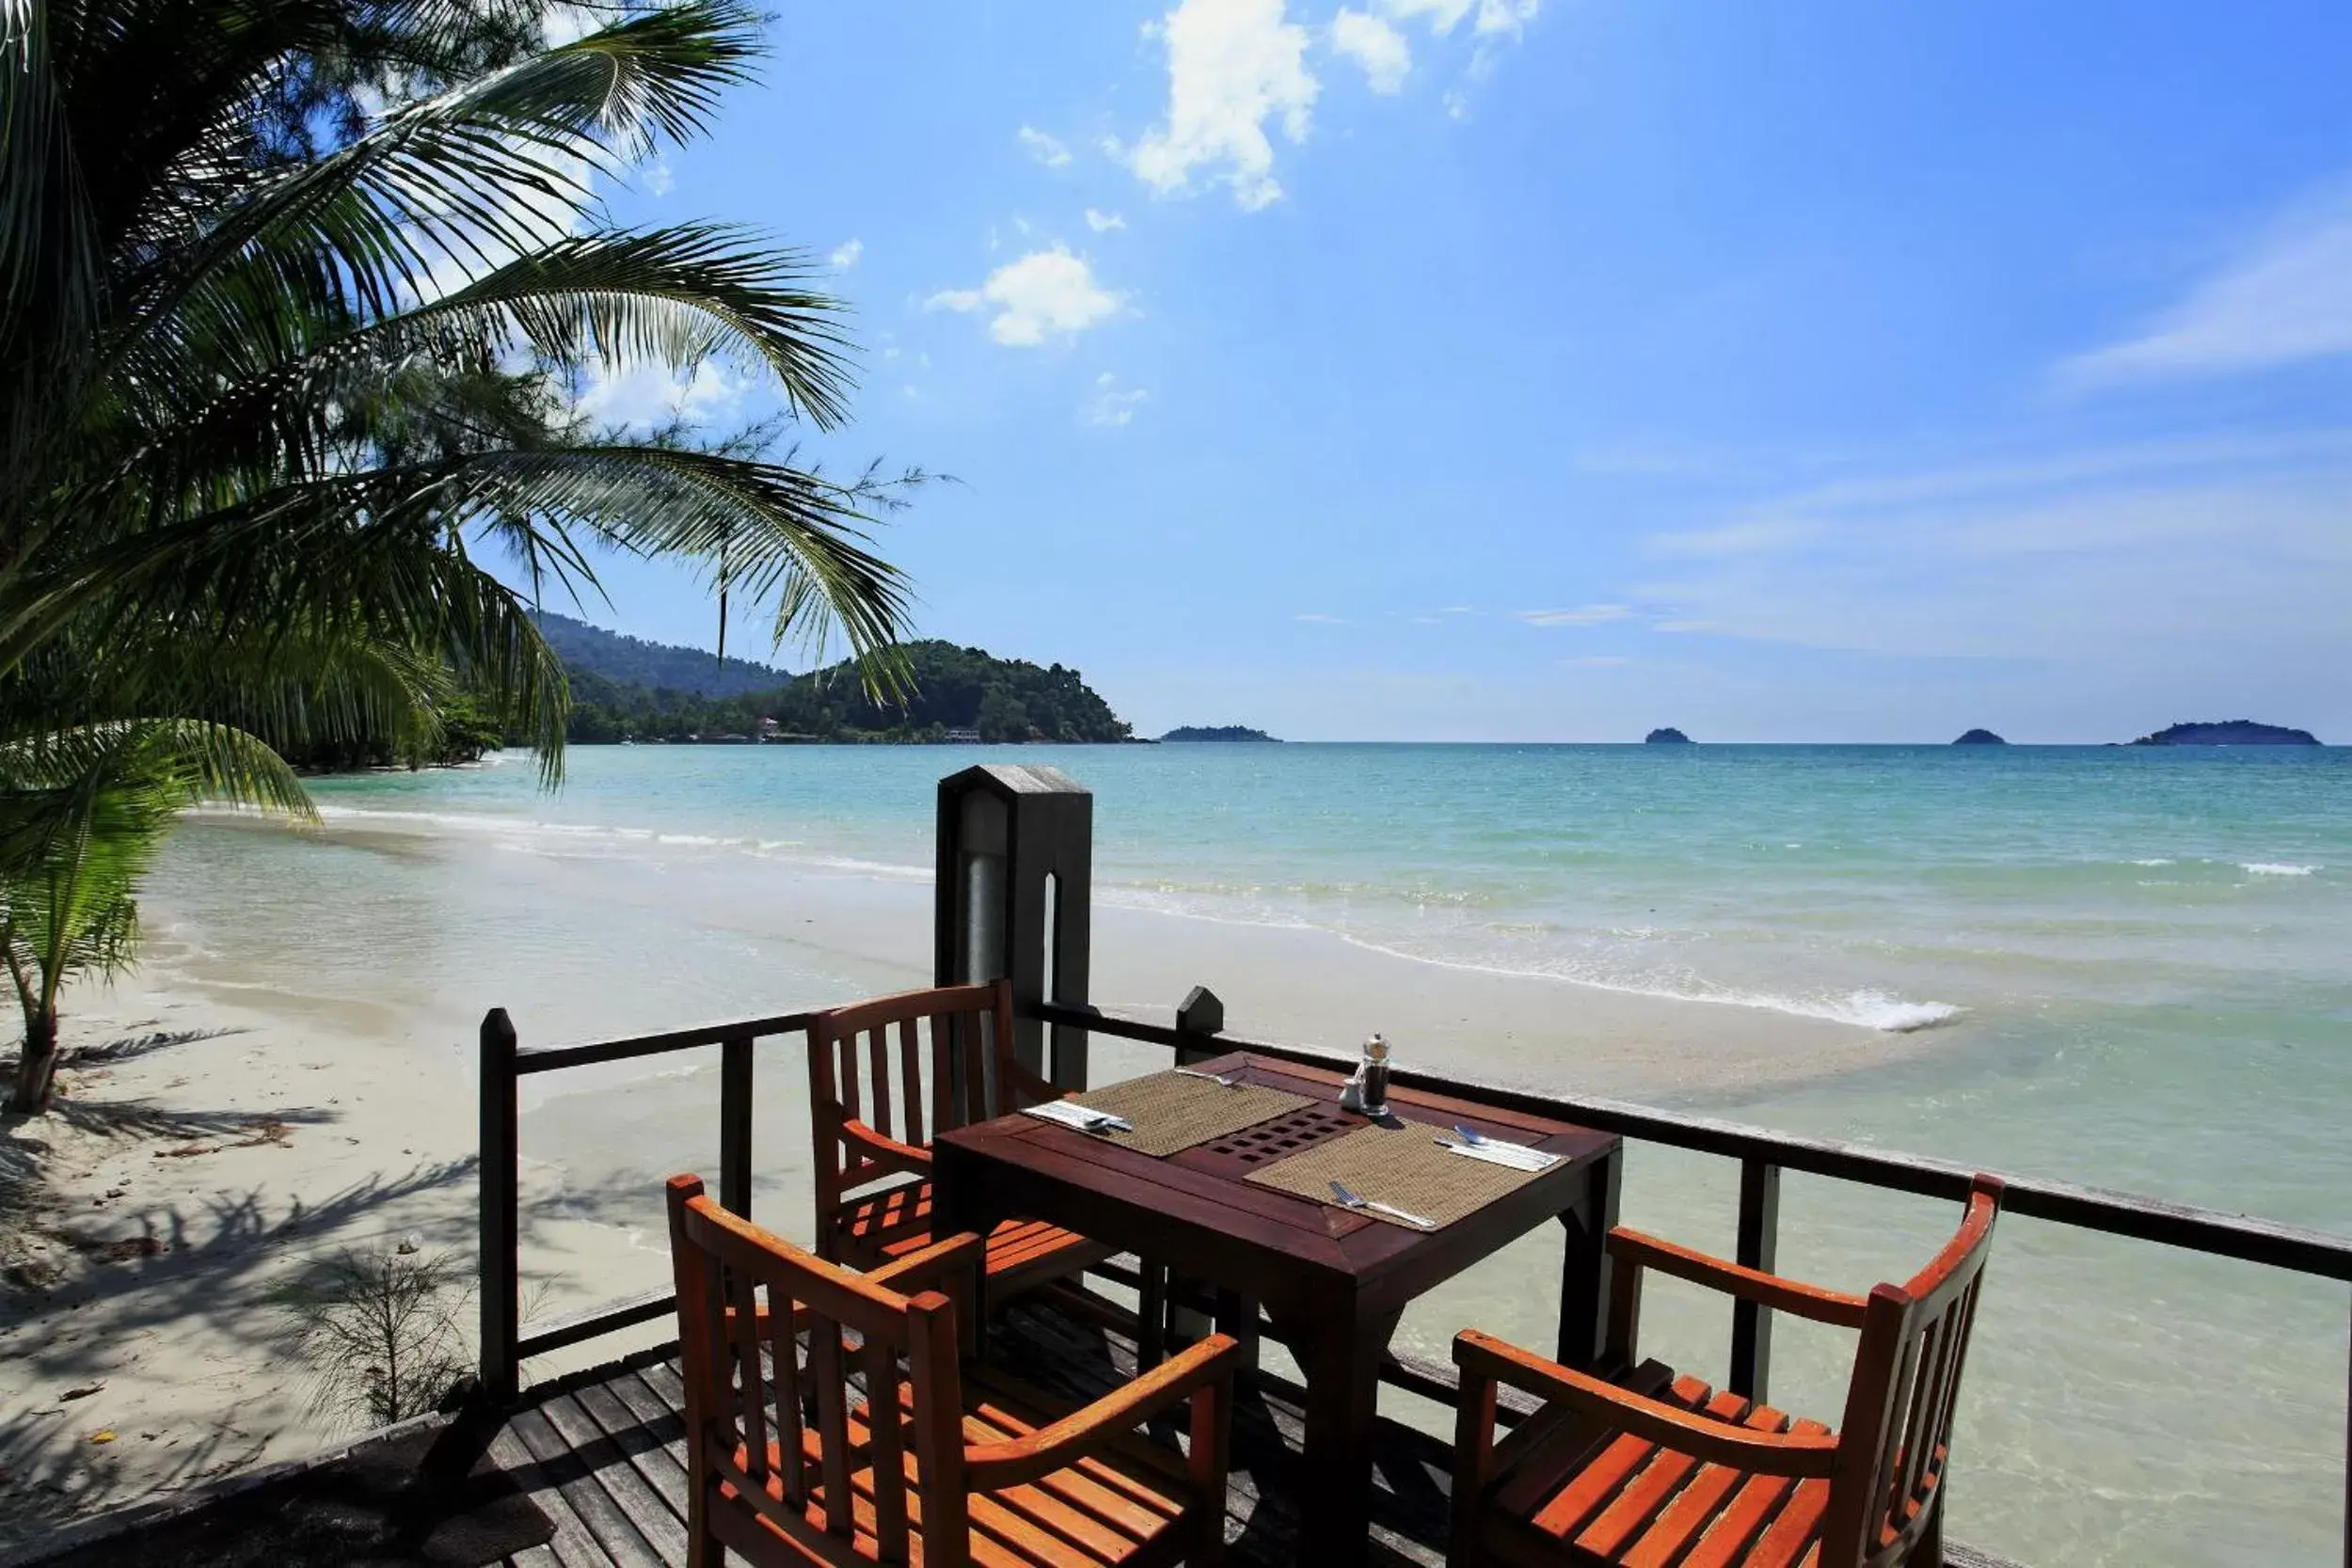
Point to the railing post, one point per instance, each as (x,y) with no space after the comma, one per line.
(735,1126)
(1202,1015)
(2347,1472)
(1758,1248)
(502,1203)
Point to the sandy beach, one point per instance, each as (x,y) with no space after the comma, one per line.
(221,1129)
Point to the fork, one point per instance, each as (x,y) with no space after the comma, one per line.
(1221,1083)
(1348,1199)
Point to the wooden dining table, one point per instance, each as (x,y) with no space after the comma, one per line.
(1334,1281)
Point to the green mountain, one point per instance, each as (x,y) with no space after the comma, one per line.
(966,690)
(657,666)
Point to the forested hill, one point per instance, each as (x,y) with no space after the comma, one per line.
(657,666)
(955,690)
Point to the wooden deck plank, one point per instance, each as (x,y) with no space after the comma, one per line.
(604,1522)
(572,1545)
(611,1462)
(640,1430)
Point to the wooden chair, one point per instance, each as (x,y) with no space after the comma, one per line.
(788,1463)
(867,1101)
(1662,1469)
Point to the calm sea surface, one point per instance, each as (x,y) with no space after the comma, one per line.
(2132,967)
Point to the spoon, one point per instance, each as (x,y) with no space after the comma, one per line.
(1221,1083)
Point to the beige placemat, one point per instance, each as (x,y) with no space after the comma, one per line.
(1172,1111)
(1404,1165)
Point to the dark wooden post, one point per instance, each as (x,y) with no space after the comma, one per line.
(1585,1266)
(1203,1015)
(1758,1248)
(735,1125)
(501,1206)
(2347,1475)
(1012,900)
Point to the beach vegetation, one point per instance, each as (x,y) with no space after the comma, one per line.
(88,808)
(382,1332)
(948,688)
(298,299)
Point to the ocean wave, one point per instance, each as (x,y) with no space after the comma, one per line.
(2277,868)
(1863,1009)
(2157,861)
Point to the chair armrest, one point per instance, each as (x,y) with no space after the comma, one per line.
(949,1261)
(993,1466)
(888,1152)
(1766,1290)
(1027,1089)
(1669,1426)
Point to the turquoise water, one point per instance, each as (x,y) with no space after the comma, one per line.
(2124,967)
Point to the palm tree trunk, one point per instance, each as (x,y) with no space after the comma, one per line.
(36,1069)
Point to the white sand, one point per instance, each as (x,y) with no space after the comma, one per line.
(375,1123)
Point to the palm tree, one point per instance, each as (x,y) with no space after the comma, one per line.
(280,352)
(293,295)
(91,806)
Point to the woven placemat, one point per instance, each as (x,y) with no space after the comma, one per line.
(1171,1112)
(1404,1165)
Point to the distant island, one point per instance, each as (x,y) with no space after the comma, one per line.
(1218,732)
(1979,737)
(1669,737)
(2230,732)
(958,694)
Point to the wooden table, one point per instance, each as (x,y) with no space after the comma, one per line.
(1333,1282)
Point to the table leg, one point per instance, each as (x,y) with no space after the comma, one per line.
(957,1206)
(1584,1267)
(1341,1353)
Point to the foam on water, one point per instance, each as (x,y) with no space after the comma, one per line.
(2277,868)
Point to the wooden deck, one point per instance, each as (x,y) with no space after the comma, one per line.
(602,1453)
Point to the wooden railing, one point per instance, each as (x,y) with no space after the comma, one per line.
(1762,1157)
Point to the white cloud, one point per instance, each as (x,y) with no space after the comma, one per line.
(1101,222)
(2285,298)
(1313,619)
(1586,615)
(646,396)
(1370,42)
(1494,16)
(656,178)
(1233,65)
(1047,149)
(1113,404)
(1598,661)
(847,255)
(1046,294)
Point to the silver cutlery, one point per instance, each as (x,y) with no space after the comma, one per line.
(1518,1156)
(1348,1199)
(1221,1083)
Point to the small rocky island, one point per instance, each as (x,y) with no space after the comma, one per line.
(1668,737)
(2229,732)
(1979,737)
(1217,732)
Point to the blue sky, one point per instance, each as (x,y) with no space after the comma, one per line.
(1540,369)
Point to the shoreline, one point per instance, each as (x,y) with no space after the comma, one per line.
(252,1125)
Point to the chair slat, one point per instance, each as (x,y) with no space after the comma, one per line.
(878,1362)
(785,1357)
(742,1298)
(911,1079)
(826,1368)
(877,1060)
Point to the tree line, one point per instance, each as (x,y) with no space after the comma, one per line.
(945,688)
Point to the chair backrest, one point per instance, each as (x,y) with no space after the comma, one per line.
(744,1295)
(1897,1431)
(908,1067)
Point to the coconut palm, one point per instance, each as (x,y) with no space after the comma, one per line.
(91,806)
(294,292)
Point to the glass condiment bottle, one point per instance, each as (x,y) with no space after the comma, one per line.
(1375,1073)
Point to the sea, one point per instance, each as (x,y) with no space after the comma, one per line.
(2128,967)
